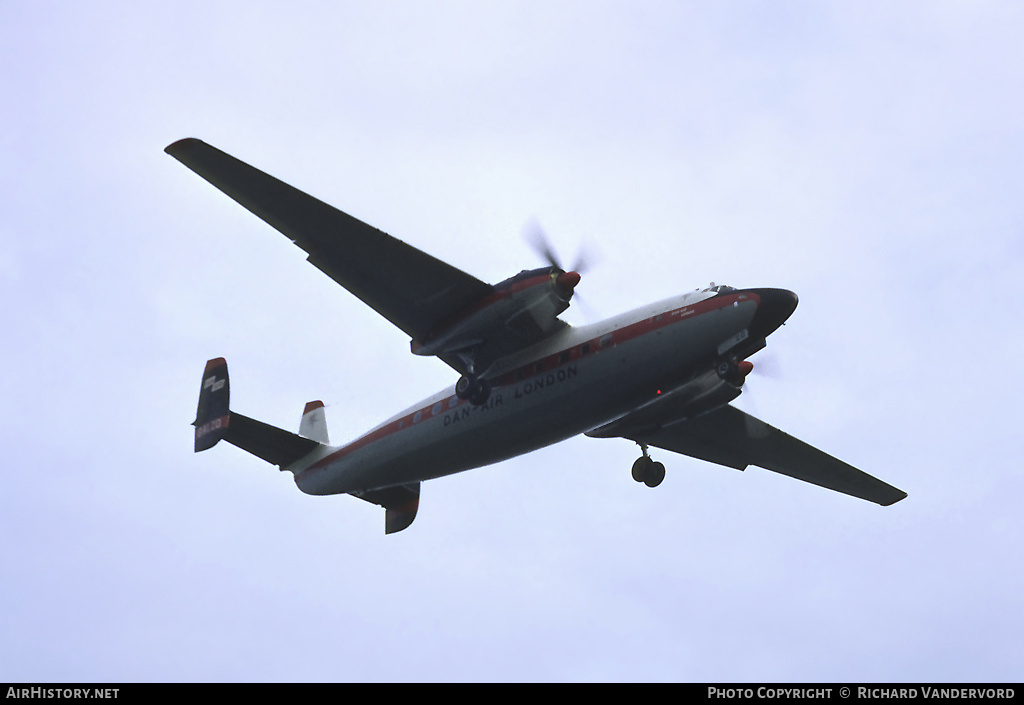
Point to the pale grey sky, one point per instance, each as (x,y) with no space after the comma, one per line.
(866,155)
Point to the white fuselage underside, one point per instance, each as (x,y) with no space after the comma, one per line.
(575,381)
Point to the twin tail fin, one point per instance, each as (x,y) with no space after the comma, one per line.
(215,422)
(213,417)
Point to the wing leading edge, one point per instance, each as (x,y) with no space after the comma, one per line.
(730,437)
(412,289)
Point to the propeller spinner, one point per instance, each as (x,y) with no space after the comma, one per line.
(567,280)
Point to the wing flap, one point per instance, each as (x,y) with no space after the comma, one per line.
(730,437)
(410,288)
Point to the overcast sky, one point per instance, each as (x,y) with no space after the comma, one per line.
(867,155)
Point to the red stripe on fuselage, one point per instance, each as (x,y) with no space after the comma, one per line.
(594,346)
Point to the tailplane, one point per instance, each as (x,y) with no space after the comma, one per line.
(215,421)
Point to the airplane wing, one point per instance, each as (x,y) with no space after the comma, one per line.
(410,288)
(730,437)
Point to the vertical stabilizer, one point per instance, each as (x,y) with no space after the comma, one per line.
(214,423)
(401,503)
(212,416)
(314,423)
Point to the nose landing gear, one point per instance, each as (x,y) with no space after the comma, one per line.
(648,471)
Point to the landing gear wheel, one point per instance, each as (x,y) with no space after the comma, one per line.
(648,471)
(476,390)
(641,468)
(483,393)
(655,474)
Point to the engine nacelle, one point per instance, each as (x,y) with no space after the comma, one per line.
(527,304)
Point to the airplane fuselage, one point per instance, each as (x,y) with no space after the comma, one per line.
(576,380)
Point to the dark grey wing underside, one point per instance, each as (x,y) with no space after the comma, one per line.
(412,289)
(730,437)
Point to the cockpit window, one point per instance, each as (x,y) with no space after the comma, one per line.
(718,288)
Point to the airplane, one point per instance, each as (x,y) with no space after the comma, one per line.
(660,376)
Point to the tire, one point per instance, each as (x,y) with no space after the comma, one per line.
(642,468)
(467,387)
(655,474)
(482,393)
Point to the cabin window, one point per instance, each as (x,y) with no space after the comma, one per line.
(563,357)
(436,409)
(605,341)
(417,416)
(538,368)
(453,402)
(584,349)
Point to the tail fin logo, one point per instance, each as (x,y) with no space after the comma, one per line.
(213,384)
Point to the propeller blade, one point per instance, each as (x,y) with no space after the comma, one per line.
(767,366)
(586,258)
(534,234)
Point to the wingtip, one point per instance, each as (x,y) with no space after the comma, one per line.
(180,145)
(896,498)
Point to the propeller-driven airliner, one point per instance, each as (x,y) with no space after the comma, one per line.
(661,376)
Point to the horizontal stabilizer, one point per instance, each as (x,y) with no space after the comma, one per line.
(400,502)
(214,422)
(271,443)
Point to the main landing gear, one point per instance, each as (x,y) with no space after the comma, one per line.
(648,471)
(470,387)
(474,389)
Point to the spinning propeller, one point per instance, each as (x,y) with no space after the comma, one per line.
(534,234)
(766,368)
(566,282)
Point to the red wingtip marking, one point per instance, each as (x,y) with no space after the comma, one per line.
(311,405)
